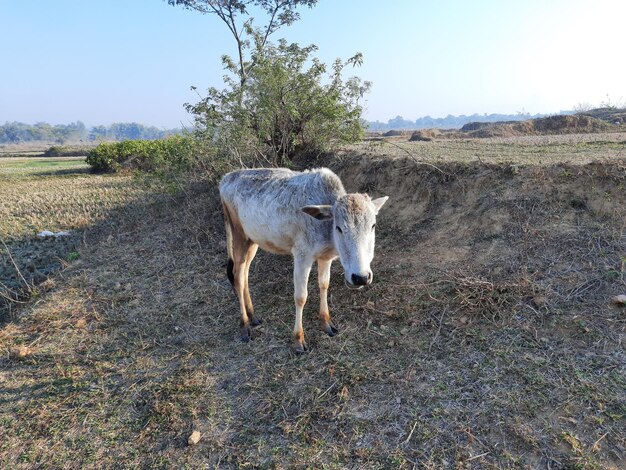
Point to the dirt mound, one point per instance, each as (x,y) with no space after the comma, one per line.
(425,135)
(394,133)
(611,115)
(560,124)
(565,124)
(474,126)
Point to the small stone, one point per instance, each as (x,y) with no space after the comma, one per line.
(194,438)
(619,299)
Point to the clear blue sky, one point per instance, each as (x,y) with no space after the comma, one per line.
(102,61)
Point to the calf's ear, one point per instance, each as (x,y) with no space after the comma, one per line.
(378,203)
(319,212)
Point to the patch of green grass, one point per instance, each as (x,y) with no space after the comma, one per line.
(26,168)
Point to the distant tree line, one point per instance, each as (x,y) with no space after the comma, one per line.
(448,122)
(16,132)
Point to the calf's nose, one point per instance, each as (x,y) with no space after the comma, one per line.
(358,280)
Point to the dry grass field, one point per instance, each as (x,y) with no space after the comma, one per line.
(487,340)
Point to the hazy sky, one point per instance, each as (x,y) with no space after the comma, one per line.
(102,61)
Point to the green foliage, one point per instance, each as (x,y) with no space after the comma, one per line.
(172,153)
(279,99)
(289,103)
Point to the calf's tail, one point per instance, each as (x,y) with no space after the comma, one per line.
(229,245)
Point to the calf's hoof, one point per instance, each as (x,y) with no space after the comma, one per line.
(246,334)
(329,329)
(299,345)
(256,321)
(300,348)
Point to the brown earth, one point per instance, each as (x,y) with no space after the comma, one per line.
(594,121)
(488,339)
(425,135)
(560,124)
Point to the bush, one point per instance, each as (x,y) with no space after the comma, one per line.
(288,103)
(59,151)
(53,152)
(173,153)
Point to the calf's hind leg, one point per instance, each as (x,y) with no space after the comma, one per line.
(239,246)
(239,272)
(254,319)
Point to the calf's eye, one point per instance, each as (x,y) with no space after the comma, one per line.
(339,229)
(373,226)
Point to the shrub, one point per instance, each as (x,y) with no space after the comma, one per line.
(173,153)
(60,151)
(289,103)
(54,152)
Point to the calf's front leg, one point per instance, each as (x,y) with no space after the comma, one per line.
(323,277)
(301,269)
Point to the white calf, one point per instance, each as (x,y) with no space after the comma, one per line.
(308,215)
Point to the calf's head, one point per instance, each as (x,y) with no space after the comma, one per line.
(354,222)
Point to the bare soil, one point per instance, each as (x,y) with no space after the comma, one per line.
(487,340)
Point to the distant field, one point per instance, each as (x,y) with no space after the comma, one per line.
(525,150)
(38,149)
(33,166)
(488,338)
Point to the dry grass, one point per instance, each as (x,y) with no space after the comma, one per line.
(486,341)
(58,197)
(523,150)
(54,194)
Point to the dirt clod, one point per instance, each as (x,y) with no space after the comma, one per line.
(20,352)
(194,438)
